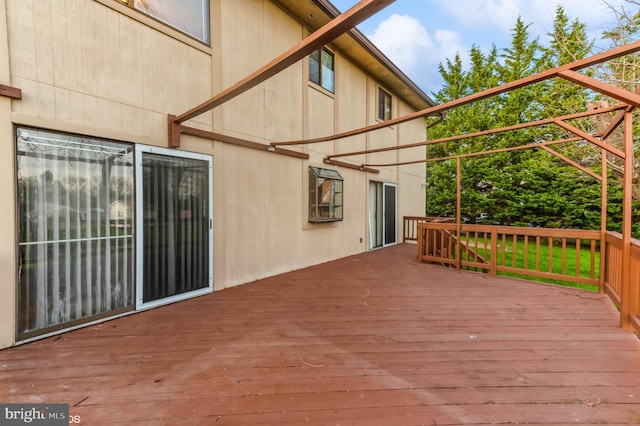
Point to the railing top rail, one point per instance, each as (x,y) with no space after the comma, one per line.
(425,218)
(613,236)
(518,230)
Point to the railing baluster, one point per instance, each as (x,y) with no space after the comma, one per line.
(537,252)
(494,252)
(525,265)
(464,249)
(433,240)
(592,266)
(550,255)
(475,247)
(564,255)
(485,254)
(577,257)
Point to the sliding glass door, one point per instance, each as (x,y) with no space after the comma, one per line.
(382,214)
(175,225)
(80,256)
(75,213)
(390,219)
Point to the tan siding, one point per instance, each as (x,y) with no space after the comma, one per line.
(352,108)
(245,197)
(320,121)
(22,52)
(8,242)
(105,61)
(411,193)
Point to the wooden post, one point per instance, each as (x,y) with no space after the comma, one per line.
(404,229)
(603,219)
(627,290)
(173,130)
(494,251)
(458,213)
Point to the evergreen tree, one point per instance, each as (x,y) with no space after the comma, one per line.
(525,187)
(441,190)
(474,117)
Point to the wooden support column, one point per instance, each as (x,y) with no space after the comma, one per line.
(173,130)
(603,218)
(458,212)
(629,289)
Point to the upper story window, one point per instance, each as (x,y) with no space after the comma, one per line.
(188,16)
(321,69)
(384,105)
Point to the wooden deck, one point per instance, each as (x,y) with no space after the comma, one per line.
(370,339)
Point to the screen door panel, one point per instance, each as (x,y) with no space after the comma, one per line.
(176,227)
(389,214)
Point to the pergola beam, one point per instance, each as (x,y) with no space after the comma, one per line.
(606,89)
(589,138)
(482,133)
(240,142)
(619,118)
(573,163)
(10,92)
(477,154)
(439,109)
(351,166)
(336,27)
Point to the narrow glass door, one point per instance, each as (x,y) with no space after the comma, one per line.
(389,214)
(174,226)
(382,214)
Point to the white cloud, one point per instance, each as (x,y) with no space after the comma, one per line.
(482,14)
(501,15)
(403,39)
(408,44)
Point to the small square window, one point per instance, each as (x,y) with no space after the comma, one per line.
(321,69)
(384,105)
(325,195)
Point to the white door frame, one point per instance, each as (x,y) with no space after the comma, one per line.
(373,220)
(140,151)
(395,213)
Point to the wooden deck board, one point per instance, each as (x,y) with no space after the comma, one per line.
(370,339)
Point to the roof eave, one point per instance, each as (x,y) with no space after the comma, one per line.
(360,50)
(328,8)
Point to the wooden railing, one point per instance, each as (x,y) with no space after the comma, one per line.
(615,267)
(532,252)
(564,255)
(410,225)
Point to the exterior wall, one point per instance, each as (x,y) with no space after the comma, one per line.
(8,242)
(87,68)
(98,68)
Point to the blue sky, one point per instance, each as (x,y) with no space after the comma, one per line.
(419,34)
